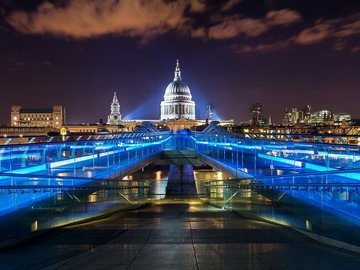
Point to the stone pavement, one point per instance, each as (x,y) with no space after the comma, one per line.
(173,234)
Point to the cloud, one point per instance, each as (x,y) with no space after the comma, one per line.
(197,5)
(349,29)
(81,19)
(230,4)
(233,26)
(315,34)
(199,32)
(356,49)
(339,45)
(143,19)
(283,17)
(330,29)
(335,30)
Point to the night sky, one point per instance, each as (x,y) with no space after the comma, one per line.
(232,53)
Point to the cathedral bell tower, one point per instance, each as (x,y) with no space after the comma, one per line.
(114,117)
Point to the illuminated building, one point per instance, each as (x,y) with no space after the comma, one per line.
(320,116)
(256,114)
(291,117)
(114,117)
(37,117)
(341,117)
(305,114)
(177,103)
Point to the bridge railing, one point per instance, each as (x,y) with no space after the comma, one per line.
(39,202)
(11,140)
(36,203)
(312,156)
(310,186)
(321,204)
(43,157)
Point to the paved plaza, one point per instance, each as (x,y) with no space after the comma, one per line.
(176,234)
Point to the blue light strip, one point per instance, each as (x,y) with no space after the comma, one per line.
(282,160)
(57,164)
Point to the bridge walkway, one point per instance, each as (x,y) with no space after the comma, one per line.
(175,234)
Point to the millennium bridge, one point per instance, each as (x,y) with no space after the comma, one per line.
(260,194)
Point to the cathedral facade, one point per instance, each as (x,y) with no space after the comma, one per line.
(177,103)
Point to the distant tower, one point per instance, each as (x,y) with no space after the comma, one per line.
(210,111)
(256,112)
(305,114)
(114,117)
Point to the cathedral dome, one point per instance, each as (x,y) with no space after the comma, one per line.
(177,101)
(177,90)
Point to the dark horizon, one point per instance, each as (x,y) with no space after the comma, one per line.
(281,54)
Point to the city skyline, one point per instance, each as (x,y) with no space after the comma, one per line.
(234,54)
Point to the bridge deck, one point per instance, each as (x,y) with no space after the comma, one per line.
(173,234)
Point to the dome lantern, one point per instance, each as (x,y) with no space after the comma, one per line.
(177,72)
